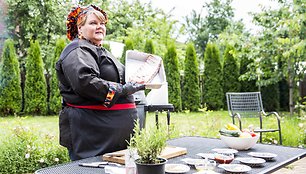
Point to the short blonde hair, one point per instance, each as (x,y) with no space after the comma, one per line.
(82,19)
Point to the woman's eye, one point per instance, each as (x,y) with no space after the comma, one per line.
(93,23)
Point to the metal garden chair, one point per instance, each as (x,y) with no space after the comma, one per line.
(249,104)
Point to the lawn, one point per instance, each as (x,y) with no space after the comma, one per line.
(204,124)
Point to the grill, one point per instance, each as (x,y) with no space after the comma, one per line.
(157,99)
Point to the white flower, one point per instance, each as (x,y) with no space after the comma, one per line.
(41,160)
(56,159)
(28,146)
(27,156)
(301,125)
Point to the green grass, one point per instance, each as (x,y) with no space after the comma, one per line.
(204,124)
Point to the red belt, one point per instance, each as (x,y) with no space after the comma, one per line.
(102,107)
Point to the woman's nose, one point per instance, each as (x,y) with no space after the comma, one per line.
(101,26)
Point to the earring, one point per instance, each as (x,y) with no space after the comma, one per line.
(80,35)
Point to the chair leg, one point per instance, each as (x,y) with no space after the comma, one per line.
(280,137)
(156,118)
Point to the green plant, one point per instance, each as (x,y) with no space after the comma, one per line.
(213,82)
(148,143)
(129,45)
(35,90)
(26,150)
(173,77)
(191,90)
(10,90)
(55,103)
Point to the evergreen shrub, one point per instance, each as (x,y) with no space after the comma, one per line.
(213,81)
(10,89)
(173,77)
(55,97)
(35,90)
(191,89)
(128,46)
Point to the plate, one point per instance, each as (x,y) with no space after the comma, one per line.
(206,172)
(193,161)
(235,168)
(153,85)
(225,150)
(207,155)
(177,168)
(264,155)
(253,162)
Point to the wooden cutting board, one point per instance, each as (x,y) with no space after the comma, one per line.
(168,152)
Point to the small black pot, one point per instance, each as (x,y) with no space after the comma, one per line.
(158,168)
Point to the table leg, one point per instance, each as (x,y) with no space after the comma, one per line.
(168,119)
(156,118)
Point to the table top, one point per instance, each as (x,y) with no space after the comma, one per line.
(195,145)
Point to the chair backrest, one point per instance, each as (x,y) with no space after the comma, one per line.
(247,104)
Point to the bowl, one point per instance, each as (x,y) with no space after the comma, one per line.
(239,143)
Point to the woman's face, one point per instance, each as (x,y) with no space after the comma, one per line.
(93,29)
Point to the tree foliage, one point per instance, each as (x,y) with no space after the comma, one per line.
(191,90)
(202,29)
(129,45)
(282,45)
(55,97)
(35,91)
(32,19)
(149,47)
(213,82)
(230,72)
(10,89)
(173,77)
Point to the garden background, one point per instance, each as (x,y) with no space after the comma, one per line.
(220,56)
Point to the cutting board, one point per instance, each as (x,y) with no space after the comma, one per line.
(168,152)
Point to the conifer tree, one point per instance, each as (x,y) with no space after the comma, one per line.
(213,88)
(149,47)
(35,90)
(191,89)
(10,89)
(128,46)
(173,77)
(230,72)
(247,85)
(55,97)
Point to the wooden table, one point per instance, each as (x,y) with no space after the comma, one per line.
(194,145)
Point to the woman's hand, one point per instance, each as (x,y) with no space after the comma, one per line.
(131,88)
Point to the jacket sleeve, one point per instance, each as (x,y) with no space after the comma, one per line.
(82,73)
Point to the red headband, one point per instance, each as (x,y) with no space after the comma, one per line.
(75,13)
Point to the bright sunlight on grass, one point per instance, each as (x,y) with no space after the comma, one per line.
(205,124)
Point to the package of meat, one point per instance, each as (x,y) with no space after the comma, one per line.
(144,68)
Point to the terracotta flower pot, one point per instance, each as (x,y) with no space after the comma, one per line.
(158,168)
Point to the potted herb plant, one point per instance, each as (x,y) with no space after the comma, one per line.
(149,144)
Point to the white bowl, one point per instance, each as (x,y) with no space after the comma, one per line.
(240,143)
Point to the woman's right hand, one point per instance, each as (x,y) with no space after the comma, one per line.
(131,88)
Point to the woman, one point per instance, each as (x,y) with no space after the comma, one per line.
(98,109)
